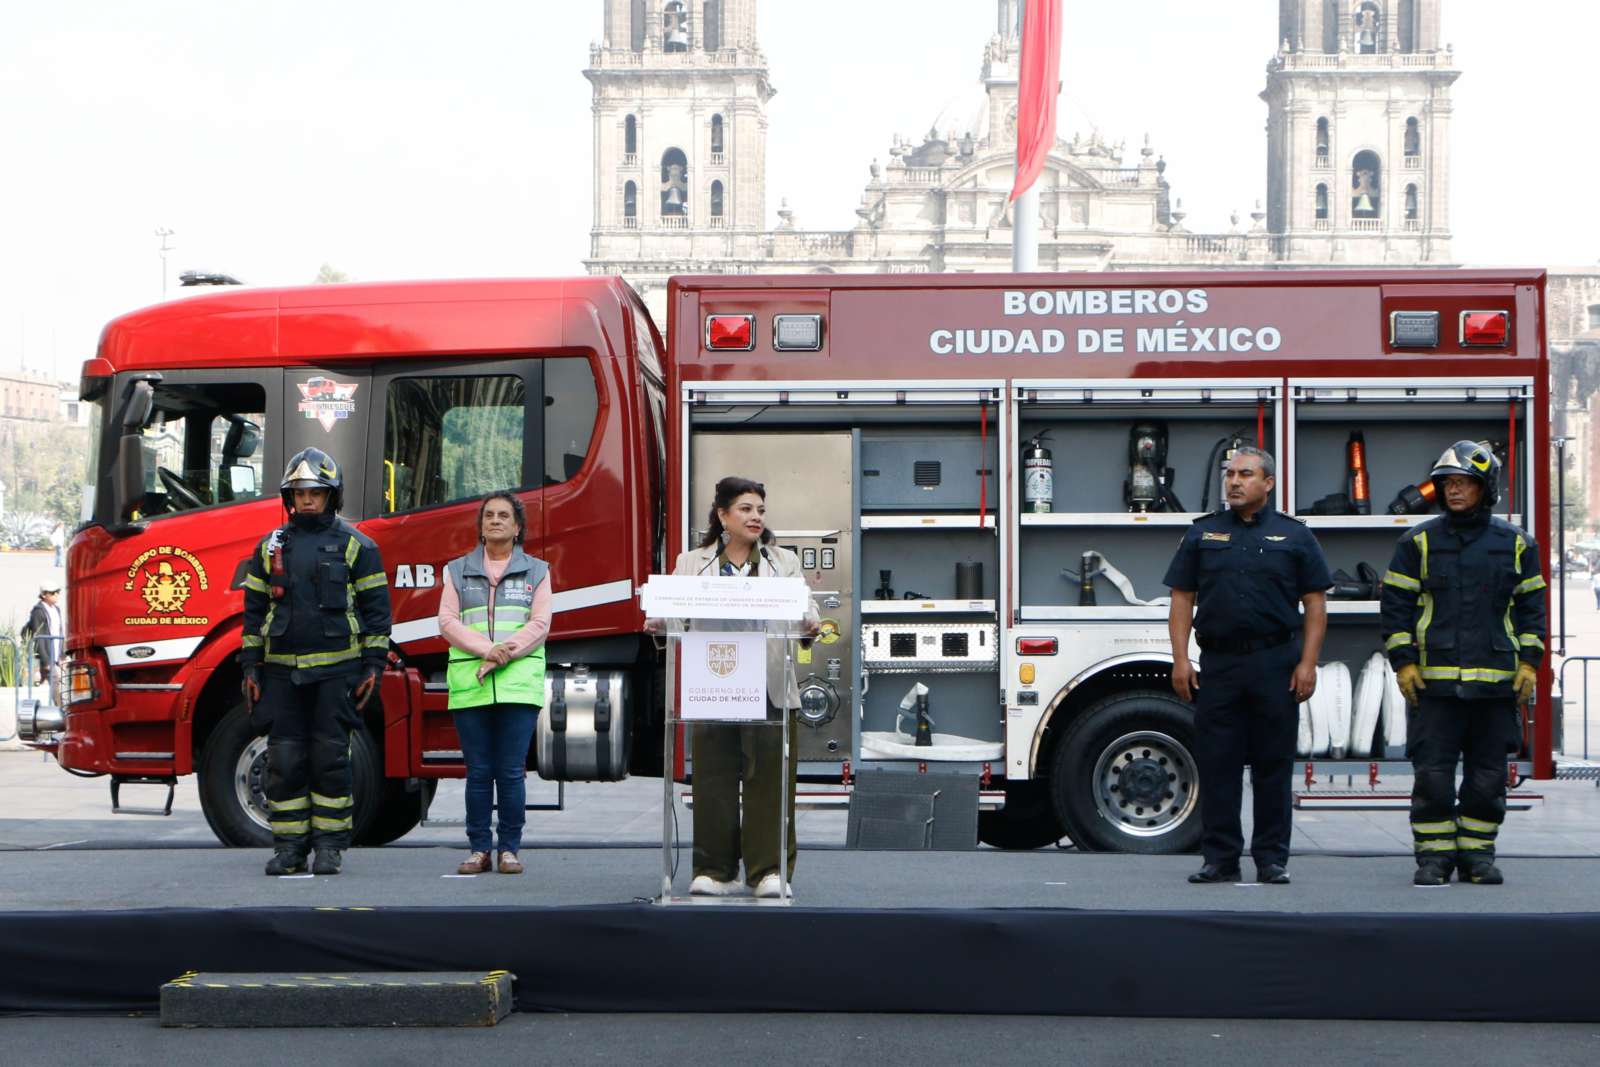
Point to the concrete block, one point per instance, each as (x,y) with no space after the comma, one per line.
(383,998)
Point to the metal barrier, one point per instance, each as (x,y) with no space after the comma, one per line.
(43,713)
(9,652)
(1559,743)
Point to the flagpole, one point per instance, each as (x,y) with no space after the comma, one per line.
(1025,231)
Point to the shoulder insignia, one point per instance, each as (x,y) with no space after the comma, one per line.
(1292,518)
(1214,535)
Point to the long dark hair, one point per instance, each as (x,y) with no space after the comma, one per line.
(729,490)
(517,510)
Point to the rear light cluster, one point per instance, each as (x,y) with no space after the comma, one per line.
(1477,329)
(790,333)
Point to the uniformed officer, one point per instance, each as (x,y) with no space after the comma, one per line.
(1464,624)
(1249,567)
(316,636)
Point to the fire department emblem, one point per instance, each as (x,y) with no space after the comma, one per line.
(326,400)
(165,591)
(722,658)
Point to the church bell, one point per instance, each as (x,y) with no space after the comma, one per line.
(1364,204)
(674,199)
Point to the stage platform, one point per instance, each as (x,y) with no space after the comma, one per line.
(1048,932)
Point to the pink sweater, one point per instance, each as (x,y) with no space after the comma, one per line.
(527,637)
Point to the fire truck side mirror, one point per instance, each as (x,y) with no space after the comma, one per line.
(127,487)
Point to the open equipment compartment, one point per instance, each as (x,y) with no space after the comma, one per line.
(929,586)
(1405,427)
(1090,423)
(931,502)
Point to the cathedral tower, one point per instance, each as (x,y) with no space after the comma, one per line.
(680,132)
(1358,132)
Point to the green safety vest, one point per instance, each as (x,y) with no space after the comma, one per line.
(522,680)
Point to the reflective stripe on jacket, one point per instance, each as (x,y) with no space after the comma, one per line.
(1464,601)
(522,680)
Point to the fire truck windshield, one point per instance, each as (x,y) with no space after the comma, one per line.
(201,446)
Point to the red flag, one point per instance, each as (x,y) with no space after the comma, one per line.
(1038,84)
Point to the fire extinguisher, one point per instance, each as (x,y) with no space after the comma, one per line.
(1038,476)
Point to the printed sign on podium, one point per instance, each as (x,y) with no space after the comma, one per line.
(724,676)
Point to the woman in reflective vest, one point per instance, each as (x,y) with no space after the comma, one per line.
(494,610)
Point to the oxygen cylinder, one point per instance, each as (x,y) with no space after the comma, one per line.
(1038,476)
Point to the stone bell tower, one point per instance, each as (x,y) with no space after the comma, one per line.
(1358,132)
(680,134)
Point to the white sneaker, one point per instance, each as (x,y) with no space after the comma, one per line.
(767,889)
(706,886)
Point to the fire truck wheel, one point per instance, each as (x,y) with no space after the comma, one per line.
(1028,819)
(233,774)
(1124,777)
(399,810)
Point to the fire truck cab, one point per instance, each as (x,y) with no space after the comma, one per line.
(984,478)
(429,395)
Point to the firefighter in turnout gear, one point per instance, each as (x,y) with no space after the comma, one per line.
(1464,624)
(316,637)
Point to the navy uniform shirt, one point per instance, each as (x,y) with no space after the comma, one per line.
(1248,575)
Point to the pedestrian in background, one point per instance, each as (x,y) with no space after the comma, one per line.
(1240,579)
(42,638)
(494,611)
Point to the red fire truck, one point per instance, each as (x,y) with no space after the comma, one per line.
(984,478)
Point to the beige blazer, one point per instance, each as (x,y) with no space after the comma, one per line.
(786,565)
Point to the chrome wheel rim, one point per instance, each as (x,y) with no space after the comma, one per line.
(250,782)
(1145,783)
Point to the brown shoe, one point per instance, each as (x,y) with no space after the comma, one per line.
(509,864)
(477,863)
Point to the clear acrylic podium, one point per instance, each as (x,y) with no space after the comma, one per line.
(710,678)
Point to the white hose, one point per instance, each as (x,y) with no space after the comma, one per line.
(1124,586)
(1369,702)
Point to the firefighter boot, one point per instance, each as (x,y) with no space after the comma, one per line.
(327,861)
(286,861)
(1481,871)
(1432,872)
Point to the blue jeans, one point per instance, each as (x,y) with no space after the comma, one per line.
(494,743)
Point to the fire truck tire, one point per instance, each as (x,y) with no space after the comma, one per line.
(232,772)
(1124,777)
(399,810)
(1028,819)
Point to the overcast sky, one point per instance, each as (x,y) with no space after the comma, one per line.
(410,139)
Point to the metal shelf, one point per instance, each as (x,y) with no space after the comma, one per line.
(1376,522)
(1080,613)
(927,522)
(927,607)
(1352,607)
(1109,518)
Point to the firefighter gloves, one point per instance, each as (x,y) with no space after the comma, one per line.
(1523,684)
(1410,681)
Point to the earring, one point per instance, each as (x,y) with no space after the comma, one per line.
(725,537)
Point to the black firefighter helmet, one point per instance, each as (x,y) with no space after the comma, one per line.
(1475,460)
(312,468)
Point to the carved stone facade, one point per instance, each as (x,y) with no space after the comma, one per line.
(1357,101)
(1358,133)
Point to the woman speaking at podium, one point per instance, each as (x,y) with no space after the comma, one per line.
(737,544)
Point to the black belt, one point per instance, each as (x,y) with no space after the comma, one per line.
(1241,645)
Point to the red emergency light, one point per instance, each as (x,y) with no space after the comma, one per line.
(1036,646)
(1485,329)
(731,332)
